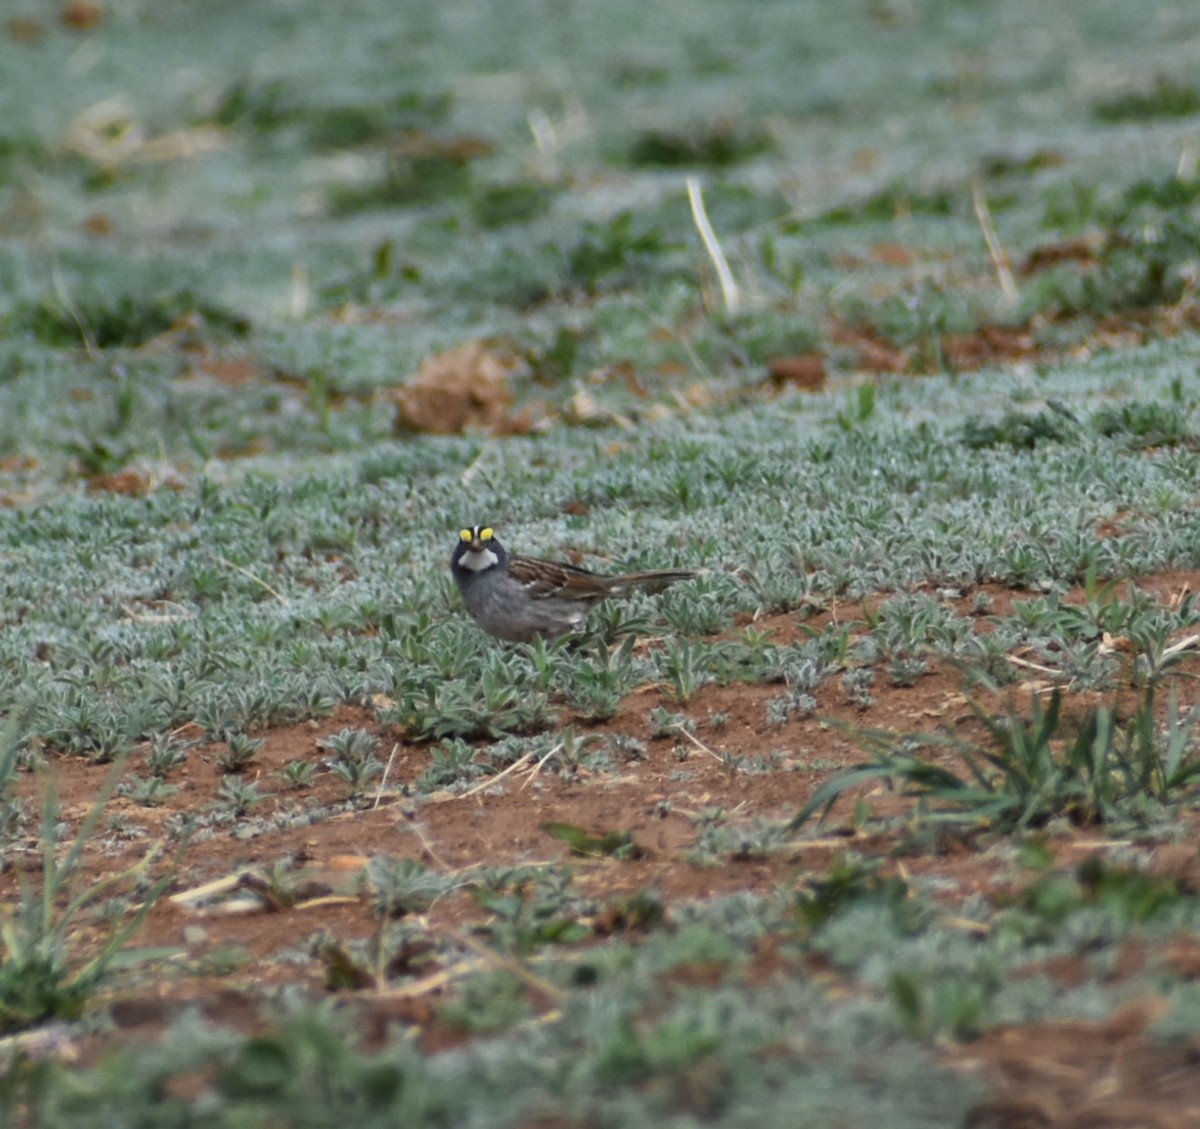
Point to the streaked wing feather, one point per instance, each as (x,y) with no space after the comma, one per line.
(551,578)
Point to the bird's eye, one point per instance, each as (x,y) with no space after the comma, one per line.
(485,535)
(464,535)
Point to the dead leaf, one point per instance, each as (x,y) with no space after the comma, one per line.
(892,254)
(464,389)
(655,413)
(109,134)
(347,862)
(81,15)
(875,353)
(24,31)
(11,464)
(1182,956)
(584,410)
(864,160)
(1110,643)
(989,345)
(232,371)
(805,371)
(132,483)
(1082,252)
(416,144)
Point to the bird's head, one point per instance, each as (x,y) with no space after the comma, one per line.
(477,549)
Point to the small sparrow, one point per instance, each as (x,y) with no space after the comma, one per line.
(518,599)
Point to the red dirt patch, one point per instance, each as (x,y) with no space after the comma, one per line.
(754,771)
(1079,1075)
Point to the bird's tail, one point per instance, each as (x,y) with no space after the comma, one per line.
(654,581)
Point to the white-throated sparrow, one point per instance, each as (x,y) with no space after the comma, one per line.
(519,598)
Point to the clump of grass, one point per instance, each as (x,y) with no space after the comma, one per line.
(405,181)
(391,952)
(165,755)
(895,200)
(150,792)
(752,841)
(1146,424)
(447,688)
(857,685)
(1020,431)
(12,752)
(272,105)
(850,881)
(663,723)
(124,321)
(354,761)
(1038,767)
(498,205)
(796,703)
(607,256)
(402,886)
(1168,98)
(240,752)
(531,909)
(717,144)
(596,679)
(297,774)
(451,762)
(686,667)
(610,844)
(237,796)
(41,977)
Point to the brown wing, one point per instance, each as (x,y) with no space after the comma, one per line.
(550,578)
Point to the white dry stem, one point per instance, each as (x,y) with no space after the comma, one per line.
(250,576)
(544,136)
(538,767)
(729,288)
(494,779)
(85,331)
(386,770)
(1185,170)
(995,251)
(698,743)
(298,299)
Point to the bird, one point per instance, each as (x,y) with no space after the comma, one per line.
(518,599)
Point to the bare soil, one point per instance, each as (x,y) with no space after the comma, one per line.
(1065,1074)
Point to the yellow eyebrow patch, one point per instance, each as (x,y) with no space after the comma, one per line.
(485,535)
(464,535)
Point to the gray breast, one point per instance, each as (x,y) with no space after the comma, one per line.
(503,608)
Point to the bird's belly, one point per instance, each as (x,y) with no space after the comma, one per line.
(522,621)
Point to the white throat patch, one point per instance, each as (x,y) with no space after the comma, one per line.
(478,561)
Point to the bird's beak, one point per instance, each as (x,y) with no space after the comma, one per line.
(476,545)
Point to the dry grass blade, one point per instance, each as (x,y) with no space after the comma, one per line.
(996,252)
(729,288)
(483,785)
